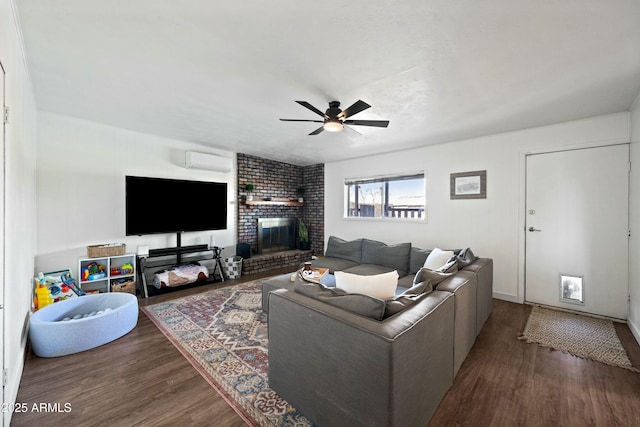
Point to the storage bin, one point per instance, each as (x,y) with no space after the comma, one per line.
(110,249)
(128,287)
(243,250)
(233,266)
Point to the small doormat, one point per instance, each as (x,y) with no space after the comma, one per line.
(582,336)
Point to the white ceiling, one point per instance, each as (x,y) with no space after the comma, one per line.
(221,73)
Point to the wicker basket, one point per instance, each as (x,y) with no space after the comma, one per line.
(128,287)
(112,249)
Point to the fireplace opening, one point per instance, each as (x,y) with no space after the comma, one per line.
(276,235)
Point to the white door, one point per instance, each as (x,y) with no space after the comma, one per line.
(577,221)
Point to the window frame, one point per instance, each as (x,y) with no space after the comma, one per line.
(384,196)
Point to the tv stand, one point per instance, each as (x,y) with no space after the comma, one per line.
(174,256)
(178,251)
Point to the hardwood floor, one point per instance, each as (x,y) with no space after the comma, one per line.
(507,382)
(141,379)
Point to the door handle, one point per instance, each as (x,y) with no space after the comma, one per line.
(533,229)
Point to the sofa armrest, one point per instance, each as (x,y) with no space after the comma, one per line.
(483,267)
(339,368)
(464,285)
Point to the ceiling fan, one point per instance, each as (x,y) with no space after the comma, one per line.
(334,118)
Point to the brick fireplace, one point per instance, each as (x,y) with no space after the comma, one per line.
(274,179)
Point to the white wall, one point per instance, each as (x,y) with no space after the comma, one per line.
(19,199)
(81,188)
(634,211)
(491,227)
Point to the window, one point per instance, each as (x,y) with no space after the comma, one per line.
(400,196)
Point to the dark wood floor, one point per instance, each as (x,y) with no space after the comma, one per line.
(141,379)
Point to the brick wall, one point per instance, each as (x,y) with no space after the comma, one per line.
(278,179)
(262,263)
(313,211)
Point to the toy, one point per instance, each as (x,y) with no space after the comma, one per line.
(53,287)
(70,283)
(43,296)
(126,269)
(61,292)
(50,337)
(45,280)
(94,271)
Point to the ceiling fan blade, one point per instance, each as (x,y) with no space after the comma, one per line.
(311,107)
(301,120)
(376,123)
(358,106)
(317,131)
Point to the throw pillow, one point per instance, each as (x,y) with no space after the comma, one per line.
(437,258)
(361,305)
(378,285)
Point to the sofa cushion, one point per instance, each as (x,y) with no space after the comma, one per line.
(349,250)
(362,305)
(379,285)
(368,269)
(437,258)
(333,264)
(407,298)
(394,256)
(417,258)
(405,283)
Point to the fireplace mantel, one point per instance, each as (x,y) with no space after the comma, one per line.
(274,202)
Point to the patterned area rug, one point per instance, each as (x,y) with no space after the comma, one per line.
(223,333)
(582,336)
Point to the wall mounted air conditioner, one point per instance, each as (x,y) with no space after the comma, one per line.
(209,162)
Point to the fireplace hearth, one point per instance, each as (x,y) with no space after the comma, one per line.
(276,235)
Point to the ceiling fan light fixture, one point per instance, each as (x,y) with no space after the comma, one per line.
(333,126)
(334,119)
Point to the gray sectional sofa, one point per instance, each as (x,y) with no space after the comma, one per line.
(340,365)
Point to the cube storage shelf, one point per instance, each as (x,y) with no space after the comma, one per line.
(112,272)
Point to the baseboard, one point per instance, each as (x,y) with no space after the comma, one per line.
(635,330)
(505,297)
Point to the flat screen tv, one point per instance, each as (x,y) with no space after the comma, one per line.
(159,205)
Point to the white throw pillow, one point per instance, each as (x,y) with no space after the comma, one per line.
(381,286)
(437,258)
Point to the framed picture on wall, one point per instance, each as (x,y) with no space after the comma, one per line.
(469,185)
